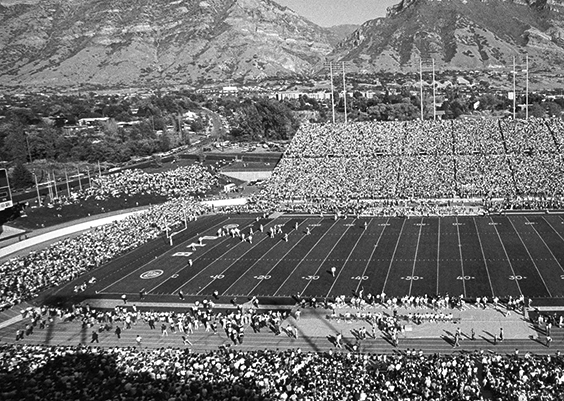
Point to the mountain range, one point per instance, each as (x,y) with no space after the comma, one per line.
(460,34)
(140,42)
(69,43)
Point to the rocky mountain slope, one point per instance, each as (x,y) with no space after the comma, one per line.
(145,42)
(170,42)
(460,34)
(341,32)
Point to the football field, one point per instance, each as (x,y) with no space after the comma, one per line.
(470,256)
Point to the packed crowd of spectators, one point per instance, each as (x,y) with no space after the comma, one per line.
(201,314)
(327,168)
(363,301)
(24,277)
(375,168)
(501,162)
(179,182)
(116,373)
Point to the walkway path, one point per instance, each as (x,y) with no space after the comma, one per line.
(315,334)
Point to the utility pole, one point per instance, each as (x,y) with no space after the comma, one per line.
(67,180)
(28,148)
(37,189)
(89,180)
(79,182)
(421,85)
(185,141)
(49,182)
(344,93)
(55,185)
(514,89)
(527,89)
(332,92)
(434,94)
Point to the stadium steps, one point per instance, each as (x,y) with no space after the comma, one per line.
(13,315)
(71,333)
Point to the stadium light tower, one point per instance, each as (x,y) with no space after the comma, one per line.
(514,88)
(330,64)
(421,86)
(344,92)
(423,63)
(434,93)
(527,88)
(343,67)
(514,72)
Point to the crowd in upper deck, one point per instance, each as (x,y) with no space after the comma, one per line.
(422,159)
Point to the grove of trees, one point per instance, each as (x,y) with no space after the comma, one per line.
(44,127)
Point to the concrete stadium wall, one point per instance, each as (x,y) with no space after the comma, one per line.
(248,175)
(226,202)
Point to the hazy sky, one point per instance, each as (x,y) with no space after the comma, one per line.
(337,12)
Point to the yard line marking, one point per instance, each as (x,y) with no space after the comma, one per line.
(226,238)
(460,253)
(346,261)
(373,251)
(326,257)
(218,258)
(438,253)
(261,258)
(183,254)
(483,256)
(507,257)
(415,257)
(531,258)
(553,229)
(393,255)
(546,245)
(228,267)
(250,267)
(173,249)
(304,258)
(271,269)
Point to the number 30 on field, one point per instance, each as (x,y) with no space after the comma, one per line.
(517,278)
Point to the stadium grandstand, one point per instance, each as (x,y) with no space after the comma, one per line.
(417,260)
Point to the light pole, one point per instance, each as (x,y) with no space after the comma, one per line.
(67,180)
(514,89)
(28,148)
(345,93)
(332,92)
(37,189)
(79,181)
(421,86)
